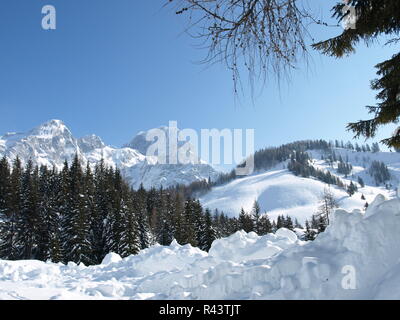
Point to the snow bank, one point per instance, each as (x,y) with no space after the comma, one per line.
(357,257)
(244,246)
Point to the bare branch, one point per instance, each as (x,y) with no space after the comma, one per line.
(261,37)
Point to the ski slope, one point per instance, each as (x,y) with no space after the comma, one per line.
(357,257)
(278,191)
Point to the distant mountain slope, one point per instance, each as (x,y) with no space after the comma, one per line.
(279,191)
(52,143)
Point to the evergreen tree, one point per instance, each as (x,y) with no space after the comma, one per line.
(265,225)
(27,222)
(9,241)
(179,219)
(351,189)
(114,221)
(199,224)
(209,232)
(43,232)
(344,168)
(361,182)
(256,217)
(163,218)
(288,223)
(77,223)
(281,222)
(54,220)
(143,218)
(101,207)
(274,226)
(375,147)
(130,238)
(4,185)
(246,221)
(374,18)
(379,171)
(189,229)
(7,217)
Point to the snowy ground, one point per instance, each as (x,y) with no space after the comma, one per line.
(278,191)
(243,266)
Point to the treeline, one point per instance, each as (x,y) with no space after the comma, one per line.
(343,167)
(300,165)
(379,172)
(73,215)
(254,221)
(80,214)
(267,158)
(356,147)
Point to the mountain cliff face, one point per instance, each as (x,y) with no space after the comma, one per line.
(52,143)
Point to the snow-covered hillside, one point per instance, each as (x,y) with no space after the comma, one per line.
(52,143)
(357,257)
(278,191)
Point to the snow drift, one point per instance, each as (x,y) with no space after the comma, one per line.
(243,266)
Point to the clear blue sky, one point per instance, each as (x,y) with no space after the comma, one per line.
(117,67)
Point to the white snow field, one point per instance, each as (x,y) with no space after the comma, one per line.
(279,192)
(357,257)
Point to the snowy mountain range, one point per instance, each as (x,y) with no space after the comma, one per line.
(52,143)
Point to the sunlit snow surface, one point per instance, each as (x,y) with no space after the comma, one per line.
(279,192)
(243,266)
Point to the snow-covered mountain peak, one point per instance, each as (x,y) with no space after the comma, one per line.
(90,142)
(52,143)
(139,142)
(144,139)
(51,129)
(162,136)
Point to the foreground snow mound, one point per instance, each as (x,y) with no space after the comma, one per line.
(244,246)
(357,257)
